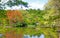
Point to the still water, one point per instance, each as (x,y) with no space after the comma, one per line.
(28,36)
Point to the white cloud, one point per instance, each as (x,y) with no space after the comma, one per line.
(36,6)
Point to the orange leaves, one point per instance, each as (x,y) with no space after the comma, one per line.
(10,14)
(14,15)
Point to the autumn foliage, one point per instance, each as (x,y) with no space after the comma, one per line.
(14,15)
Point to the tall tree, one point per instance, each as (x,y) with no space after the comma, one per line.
(0,0)
(11,3)
(53,14)
(53,7)
(54,4)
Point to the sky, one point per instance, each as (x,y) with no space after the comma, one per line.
(34,4)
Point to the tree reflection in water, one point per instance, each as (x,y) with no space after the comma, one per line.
(28,36)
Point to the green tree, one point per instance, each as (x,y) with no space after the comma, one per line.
(0,0)
(53,13)
(11,3)
(53,7)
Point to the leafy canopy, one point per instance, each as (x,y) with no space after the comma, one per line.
(11,3)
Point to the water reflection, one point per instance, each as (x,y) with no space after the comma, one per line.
(1,35)
(42,36)
(28,36)
(34,37)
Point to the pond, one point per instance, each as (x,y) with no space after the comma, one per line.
(28,36)
(1,35)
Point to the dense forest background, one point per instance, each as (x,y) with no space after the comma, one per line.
(31,21)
